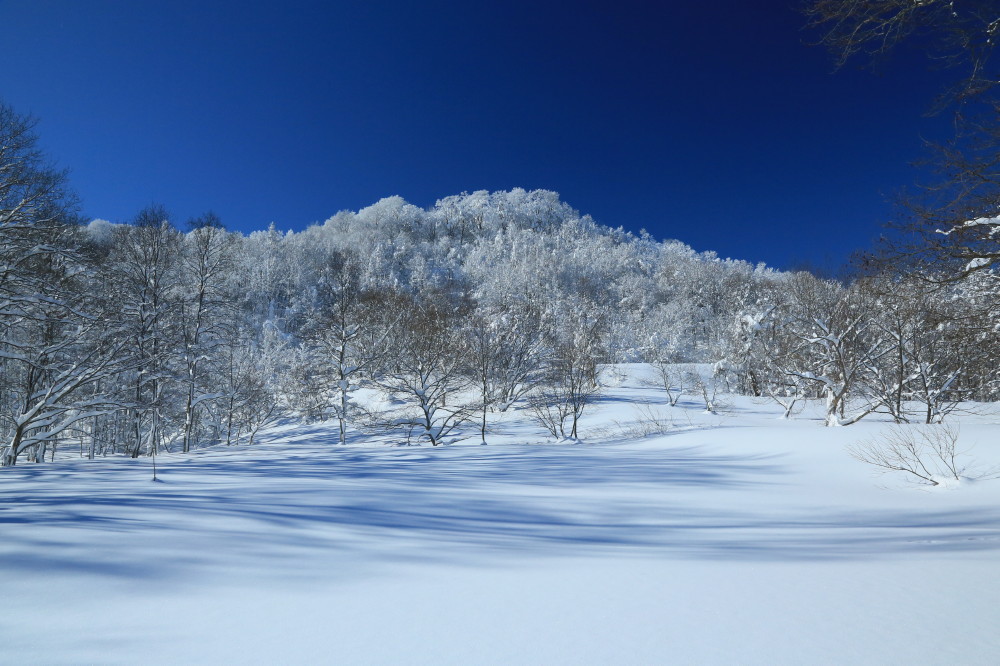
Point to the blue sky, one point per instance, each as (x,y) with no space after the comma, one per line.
(713,123)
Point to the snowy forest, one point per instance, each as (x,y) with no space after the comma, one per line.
(156,335)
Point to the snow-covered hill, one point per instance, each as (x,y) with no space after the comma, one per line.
(729,538)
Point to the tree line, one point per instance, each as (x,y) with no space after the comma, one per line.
(138,337)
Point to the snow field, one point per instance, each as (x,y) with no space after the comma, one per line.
(731,538)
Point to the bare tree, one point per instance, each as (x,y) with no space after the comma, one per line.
(247,375)
(345,339)
(58,403)
(570,380)
(206,263)
(940,347)
(673,379)
(707,380)
(48,348)
(823,337)
(505,347)
(144,279)
(767,352)
(427,371)
(949,228)
(959,33)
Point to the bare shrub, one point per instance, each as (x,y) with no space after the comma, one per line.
(672,379)
(550,408)
(931,453)
(650,421)
(709,382)
(653,422)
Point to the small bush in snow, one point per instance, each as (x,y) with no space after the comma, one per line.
(930,453)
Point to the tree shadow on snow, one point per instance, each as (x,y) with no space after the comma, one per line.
(296,509)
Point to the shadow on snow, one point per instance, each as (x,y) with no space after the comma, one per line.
(294,509)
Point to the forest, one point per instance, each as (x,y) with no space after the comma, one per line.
(149,335)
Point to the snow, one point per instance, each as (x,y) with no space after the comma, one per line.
(977,263)
(993,222)
(730,538)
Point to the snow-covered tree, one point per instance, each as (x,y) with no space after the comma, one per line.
(427,372)
(206,263)
(51,350)
(570,382)
(505,348)
(825,336)
(144,278)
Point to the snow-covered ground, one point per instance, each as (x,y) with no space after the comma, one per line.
(731,538)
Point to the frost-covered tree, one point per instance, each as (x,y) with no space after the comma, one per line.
(51,350)
(824,335)
(206,264)
(247,377)
(55,348)
(144,276)
(570,381)
(450,313)
(427,372)
(942,351)
(346,338)
(505,349)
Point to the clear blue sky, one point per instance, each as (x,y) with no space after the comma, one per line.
(710,122)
